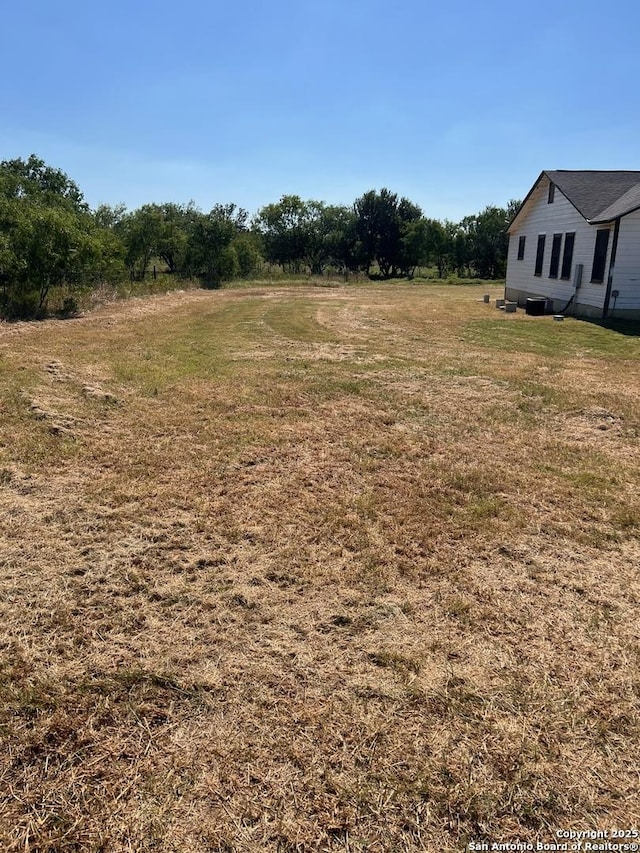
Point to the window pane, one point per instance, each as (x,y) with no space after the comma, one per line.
(540,254)
(567,257)
(555,256)
(521,243)
(552,192)
(600,255)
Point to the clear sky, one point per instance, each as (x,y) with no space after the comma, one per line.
(455,104)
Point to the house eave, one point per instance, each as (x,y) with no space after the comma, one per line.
(610,219)
(525,200)
(544,174)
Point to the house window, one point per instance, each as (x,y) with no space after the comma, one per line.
(552,192)
(554,266)
(567,257)
(521,243)
(600,255)
(540,254)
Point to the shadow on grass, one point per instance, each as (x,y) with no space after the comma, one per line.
(629,328)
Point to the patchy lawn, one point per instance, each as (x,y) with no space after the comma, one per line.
(317,569)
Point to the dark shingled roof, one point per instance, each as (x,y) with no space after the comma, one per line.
(599,196)
(625,204)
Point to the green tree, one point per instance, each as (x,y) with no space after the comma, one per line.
(140,233)
(285,230)
(153,230)
(48,237)
(209,253)
(330,237)
(32,179)
(339,238)
(382,220)
(488,241)
(12,265)
(173,233)
(424,242)
(109,216)
(369,211)
(247,249)
(43,247)
(298,234)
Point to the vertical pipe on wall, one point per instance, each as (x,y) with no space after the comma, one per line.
(612,263)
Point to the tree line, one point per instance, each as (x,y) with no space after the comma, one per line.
(50,238)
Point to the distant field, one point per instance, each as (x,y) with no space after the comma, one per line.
(299,569)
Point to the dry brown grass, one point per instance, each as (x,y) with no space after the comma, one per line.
(296,570)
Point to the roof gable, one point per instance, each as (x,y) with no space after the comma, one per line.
(599,196)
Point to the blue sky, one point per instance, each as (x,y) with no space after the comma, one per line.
(455,104)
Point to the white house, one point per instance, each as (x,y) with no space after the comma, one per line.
(576,240)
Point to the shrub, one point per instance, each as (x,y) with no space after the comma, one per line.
(21,305)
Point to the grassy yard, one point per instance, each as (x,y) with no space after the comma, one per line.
(304,568)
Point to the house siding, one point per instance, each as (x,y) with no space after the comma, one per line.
(560,217)
(626,271)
